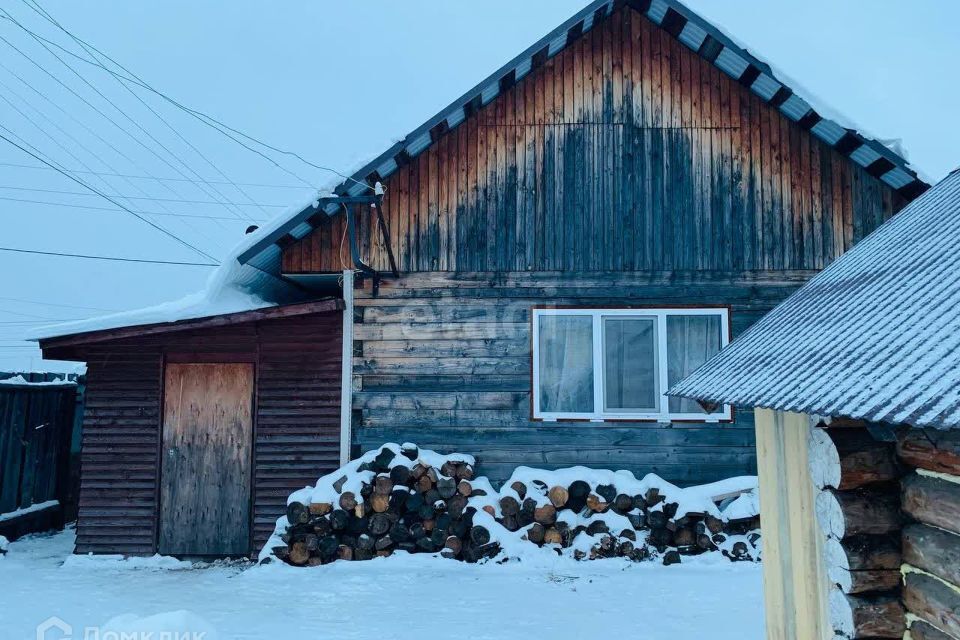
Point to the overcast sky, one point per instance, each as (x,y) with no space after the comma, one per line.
(337,82)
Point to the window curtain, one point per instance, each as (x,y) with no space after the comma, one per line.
(691,341)
(566,364)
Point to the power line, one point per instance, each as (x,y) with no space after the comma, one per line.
(126,197)
(113,258)
(159,179)
(131,211)
(105,98)
(55,304)
(78,142)
(206,119)
(112,210)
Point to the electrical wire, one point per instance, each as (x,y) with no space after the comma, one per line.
(126,197)
(131,211)
(203,117)
(112,210)
(159,179)
(113,258)
(99,111)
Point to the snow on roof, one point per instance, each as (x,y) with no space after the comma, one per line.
(875,336)
(231,288)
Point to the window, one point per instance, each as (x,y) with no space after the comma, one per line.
(617,364)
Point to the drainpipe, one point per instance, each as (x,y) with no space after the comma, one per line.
(346,374)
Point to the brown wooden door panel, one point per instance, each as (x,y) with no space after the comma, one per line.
(206,460)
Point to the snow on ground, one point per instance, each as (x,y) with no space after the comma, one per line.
(417,596)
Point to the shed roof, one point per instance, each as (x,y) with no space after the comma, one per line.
(875,336)
(693,31)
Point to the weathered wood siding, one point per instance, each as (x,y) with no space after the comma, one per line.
(444,360)
(626,170)
(297,364)
(624,152)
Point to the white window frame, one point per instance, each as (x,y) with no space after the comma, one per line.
(600,414)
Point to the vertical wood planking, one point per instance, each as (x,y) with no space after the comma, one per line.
(625,151)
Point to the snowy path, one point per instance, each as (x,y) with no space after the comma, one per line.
(401,597)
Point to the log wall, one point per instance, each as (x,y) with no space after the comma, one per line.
(855,475)
(931,542)
(444,360)
(297,419)
(624,152)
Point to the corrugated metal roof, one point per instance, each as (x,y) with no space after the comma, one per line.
(874,336)
(695,33)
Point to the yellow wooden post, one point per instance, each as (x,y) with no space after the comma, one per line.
(794,576)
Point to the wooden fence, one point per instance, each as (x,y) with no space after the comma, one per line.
(40,417)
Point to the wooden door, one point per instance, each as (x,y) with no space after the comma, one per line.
(206,460)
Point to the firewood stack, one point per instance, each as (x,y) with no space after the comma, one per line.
(395,501)
(599,520)
(402,498)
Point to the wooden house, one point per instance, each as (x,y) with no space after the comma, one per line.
(857,394)
(541,260)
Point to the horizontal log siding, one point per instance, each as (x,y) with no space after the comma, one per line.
(444,360)
(624,152)
(297,423)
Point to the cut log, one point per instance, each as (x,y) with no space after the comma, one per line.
(545,514)
(456,505)
(479,536)
(383,459)
(657,519)
(454,544)
(932,501)
(409,451)
(320,508)
(379,524)
(400,475)
(596,503)
(842,514)
(849,458)
(933,601)
(934,550)
(558,496)
(509,506)
(867,617)
(379,503)
(577,492)
(298,554)
(348,501)
(297,513)
(446,487)
(552,536)
(622,503)
(520,488)
(464,488)
(345,552)
(339,519)
(382,486)
(863,563)
(930,449)
(424,484)
(536,533)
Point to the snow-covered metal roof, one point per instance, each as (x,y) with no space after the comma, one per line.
(694,32)
(874,336)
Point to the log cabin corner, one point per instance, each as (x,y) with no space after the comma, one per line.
(522,277)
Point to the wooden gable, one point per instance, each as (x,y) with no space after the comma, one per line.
(626,151)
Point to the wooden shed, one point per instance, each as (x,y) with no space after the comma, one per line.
(542,259)
(856,384)
(196,431)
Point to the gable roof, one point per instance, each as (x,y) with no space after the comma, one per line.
(874,336)
(690,29)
